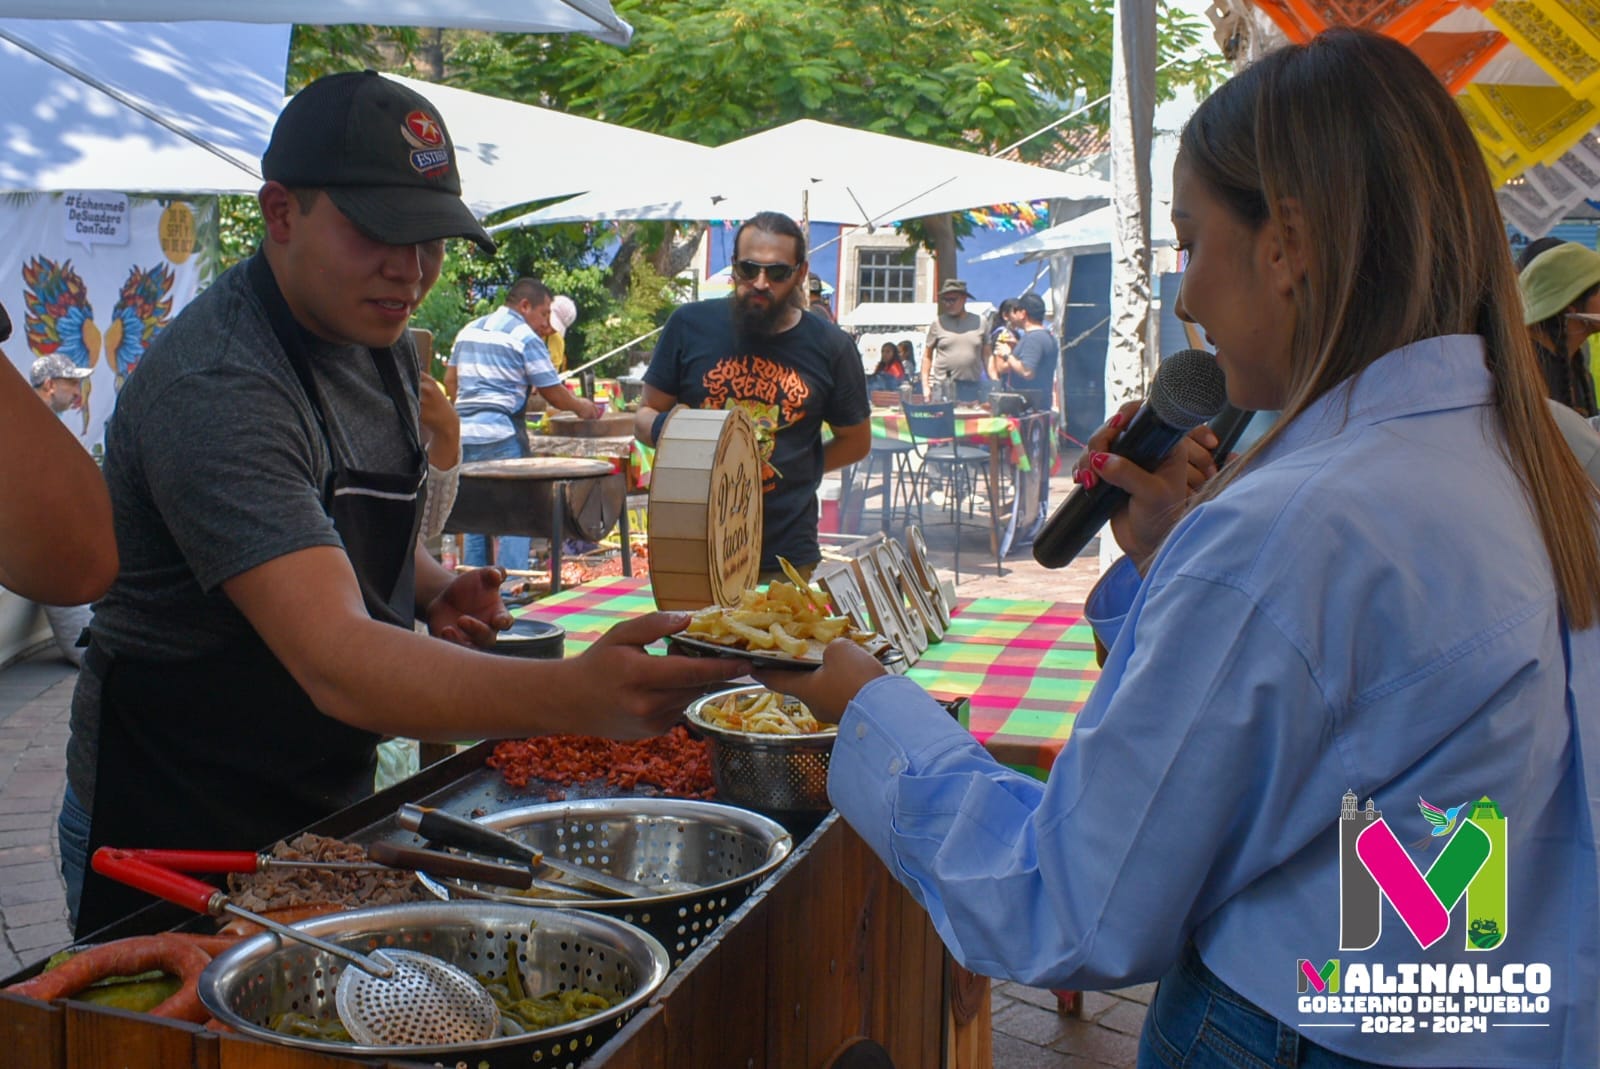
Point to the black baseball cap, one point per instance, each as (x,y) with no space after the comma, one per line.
(382,154)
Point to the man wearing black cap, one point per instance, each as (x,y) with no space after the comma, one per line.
(264,468)
(1031,366)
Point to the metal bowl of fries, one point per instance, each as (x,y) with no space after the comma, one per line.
(767,751)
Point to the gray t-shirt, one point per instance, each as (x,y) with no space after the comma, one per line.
(957,344)
(216,464)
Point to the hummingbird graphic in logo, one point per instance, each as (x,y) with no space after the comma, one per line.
(1443,820)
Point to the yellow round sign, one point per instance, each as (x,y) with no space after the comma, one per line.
(176,232)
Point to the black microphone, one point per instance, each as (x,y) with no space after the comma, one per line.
(1189,389)
(1229,428)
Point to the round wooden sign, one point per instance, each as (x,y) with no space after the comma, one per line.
(705,509)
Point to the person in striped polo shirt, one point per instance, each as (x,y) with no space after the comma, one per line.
(494,363)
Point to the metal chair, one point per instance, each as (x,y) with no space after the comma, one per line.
(933,435)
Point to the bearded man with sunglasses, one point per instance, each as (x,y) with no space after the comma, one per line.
(791,372)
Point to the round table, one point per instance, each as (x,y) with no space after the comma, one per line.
(552,497)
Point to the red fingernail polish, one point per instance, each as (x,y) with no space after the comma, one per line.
(1080,475)
(1098,460)
(1118,420)
(1089,480)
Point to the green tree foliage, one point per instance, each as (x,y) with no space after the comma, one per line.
(951,72)
(318,50)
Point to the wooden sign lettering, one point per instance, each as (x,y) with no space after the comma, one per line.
(887,617)
(897,565)
(922,569)
(838,580)
(705,509)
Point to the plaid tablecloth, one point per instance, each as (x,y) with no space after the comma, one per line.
(890,424)
(1026,666)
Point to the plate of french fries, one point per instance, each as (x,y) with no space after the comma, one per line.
(785,625)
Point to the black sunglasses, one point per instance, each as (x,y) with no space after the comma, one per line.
(750,270)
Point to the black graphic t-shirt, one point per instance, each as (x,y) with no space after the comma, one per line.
(789,384)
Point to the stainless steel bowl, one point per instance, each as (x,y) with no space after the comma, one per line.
(723,850)
(774,773)
(247,985)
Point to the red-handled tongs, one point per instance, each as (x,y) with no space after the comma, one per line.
(381,857)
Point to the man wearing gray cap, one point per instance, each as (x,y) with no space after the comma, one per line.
(953,357)
(265,466)
(58,382)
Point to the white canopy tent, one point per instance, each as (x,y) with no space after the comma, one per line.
(148,96)
(513,153)
(592,17)
(826,173)
(61,132)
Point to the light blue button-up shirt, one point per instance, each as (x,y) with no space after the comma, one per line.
(497,357)
(1369,609)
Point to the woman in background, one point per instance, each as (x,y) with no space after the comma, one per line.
(891,370)
(1561,299)
(908,358)
(1392,595)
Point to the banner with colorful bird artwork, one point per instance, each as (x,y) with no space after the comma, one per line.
(94,277)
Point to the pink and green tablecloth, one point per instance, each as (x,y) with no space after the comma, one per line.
(890,424)
(1027,666)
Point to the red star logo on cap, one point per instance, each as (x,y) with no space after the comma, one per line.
(425,128)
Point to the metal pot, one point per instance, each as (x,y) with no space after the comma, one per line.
(532,638)
(248,984)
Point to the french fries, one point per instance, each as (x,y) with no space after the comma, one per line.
(791,618)
(766,713)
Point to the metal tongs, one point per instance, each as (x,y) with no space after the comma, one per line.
(382,857)
(447,828)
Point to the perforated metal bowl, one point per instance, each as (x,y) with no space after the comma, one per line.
(775,773)
(723,850)
(247,985)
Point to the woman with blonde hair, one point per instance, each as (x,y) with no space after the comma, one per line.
(1387,602)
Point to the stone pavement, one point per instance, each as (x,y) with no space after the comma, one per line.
(36,693)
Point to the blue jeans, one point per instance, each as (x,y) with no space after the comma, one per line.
(514,549)
(72,836)
(1198,1022)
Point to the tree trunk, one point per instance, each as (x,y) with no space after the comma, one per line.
(661,255)
(620,275)
(941,233)
(683,250)
(431,55)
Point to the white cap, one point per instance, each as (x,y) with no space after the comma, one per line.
(563,313)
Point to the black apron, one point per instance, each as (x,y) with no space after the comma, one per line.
(226,751)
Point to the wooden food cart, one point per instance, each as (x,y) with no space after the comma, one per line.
(827,953)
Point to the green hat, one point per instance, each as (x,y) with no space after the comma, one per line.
(1554,279)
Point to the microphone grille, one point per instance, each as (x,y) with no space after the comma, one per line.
(1189,389)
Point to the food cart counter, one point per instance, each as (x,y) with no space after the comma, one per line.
(828,951)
